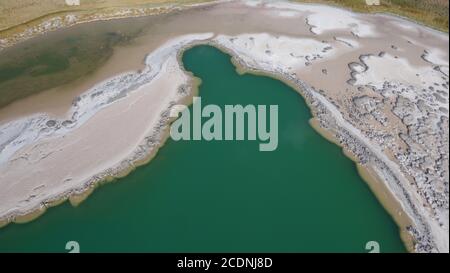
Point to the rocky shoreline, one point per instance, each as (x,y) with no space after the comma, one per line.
(421,236)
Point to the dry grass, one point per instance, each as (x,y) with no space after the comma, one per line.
(15,12)
(433,13)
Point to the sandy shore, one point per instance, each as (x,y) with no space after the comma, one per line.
(346,75)
(135,142)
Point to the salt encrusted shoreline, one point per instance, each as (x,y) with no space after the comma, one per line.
(427,238)
(145,150)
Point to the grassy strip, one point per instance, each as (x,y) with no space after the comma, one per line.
(16,12)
